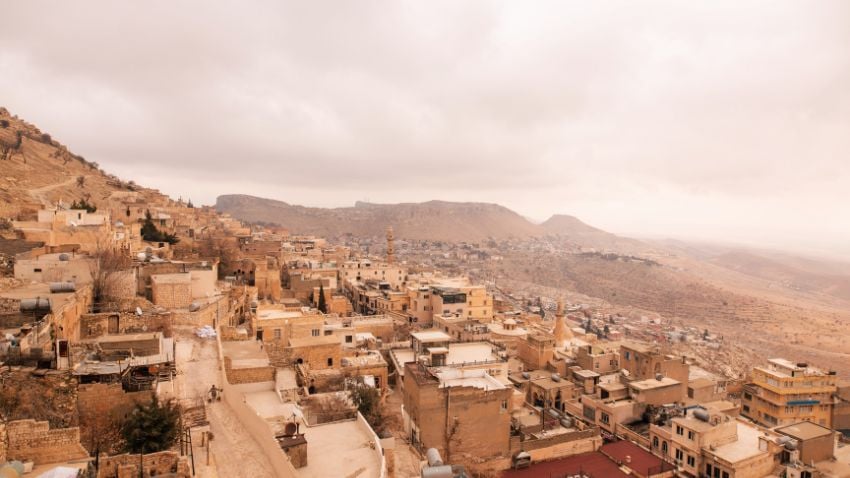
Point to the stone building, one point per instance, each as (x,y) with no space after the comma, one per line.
(465,414)
(785,392)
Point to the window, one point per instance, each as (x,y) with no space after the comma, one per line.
(349,339)
(36,269)
(277,333)
(664,448)
(628,355)
(708,469)
(654,442)
(605,418)
(330,362)
(329,332)
(679,454)
(690,435)
(680,430)
(315,332)
(504,406)
(725,474)
(691,461)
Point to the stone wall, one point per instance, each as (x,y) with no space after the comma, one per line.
(206,315)
(100,399)
(9,306)
(229,334)
(249,374)
(172,295)
(29,440)
(3,441)
(168,463)
(96,325)
(102,408)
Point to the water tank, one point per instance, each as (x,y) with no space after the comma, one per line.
(141,256)
(556,377)
(526,375)
(659,377)
(64,257)
(567,422)
(553,413)
(442,471)
(791,445)
(35,304)
(701,414)
(433,457)
(194,307)
(59,287)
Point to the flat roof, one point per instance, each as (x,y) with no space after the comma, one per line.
(452,377)
(532,375)
(340,449)
(431,336)
(593,463)
(635,458)
(652,383)
(244,353)
(585,373)
(805,430)
(470,352)
(746,447)
(128,337)
(270,314)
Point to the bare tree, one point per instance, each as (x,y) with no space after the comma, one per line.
(107,267)
(81,181)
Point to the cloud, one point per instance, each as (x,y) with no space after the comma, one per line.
(612,111)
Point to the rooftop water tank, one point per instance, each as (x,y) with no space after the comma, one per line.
(35,304)
(59,287)
(442,471)
(433,457)
(701,414)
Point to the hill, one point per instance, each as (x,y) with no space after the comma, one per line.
(36,170)
(588,236)
(432,220)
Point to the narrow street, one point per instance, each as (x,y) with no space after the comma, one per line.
(233,452)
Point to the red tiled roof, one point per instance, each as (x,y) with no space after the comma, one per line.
(593,464)
(642,462)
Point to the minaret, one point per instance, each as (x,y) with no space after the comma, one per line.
(563,335)
(390,250)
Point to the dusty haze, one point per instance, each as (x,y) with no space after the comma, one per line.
(719,121)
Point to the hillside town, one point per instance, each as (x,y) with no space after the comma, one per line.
(146,336)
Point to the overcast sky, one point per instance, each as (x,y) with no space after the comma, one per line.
(722,120)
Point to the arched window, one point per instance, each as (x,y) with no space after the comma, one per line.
(654,442)
(664,448)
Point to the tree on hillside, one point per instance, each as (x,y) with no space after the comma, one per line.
(81,181)
(106,268)
(323,306)
(152,234)
(84,204)
(151,427)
